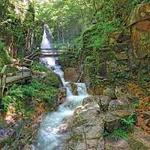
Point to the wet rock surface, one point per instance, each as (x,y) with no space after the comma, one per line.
(62,95)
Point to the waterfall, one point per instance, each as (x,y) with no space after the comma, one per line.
(47,36)
(46,44)
(49,136)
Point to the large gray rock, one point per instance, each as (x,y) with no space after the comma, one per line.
(119,104)
(101,101)
(112,144)
(89,122)
(110,92)
(71,74)
(86,128)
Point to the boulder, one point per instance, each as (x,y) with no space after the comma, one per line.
(113,144)
(109,91)
(74,88)
(86,129)
(101,101)
(71,74)
(112,120)
(104,102)
(62,95)
(119,105)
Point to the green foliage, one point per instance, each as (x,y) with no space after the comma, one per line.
(127,125)
(4,58)
(39,67)
(17,23)
(51,78)
(129,122)
(119,133)
(21,96)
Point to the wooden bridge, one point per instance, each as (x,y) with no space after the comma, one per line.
(23,74)
(51,52)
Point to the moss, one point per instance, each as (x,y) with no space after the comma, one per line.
(50,79)
(76,137)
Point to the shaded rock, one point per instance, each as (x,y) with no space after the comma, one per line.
(74,88)
(89,99)
(119,105)
(112,144)
(112,120)
(62,95)
(104,103)
(71,74)
(110,92)
(89,145)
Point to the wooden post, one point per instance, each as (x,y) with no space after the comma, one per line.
(1,85)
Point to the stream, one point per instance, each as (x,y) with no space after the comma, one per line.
(53,129)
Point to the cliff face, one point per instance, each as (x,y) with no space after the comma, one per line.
(140,30)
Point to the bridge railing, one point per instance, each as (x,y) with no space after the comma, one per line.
(4,74)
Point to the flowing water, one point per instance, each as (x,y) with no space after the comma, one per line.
(50,135)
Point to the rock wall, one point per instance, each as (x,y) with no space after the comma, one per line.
(140,30)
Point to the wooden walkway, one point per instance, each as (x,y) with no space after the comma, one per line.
(7,80)
(23,74)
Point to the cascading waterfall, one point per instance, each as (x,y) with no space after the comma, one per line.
(45,41)
(50,136)
(49,61)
